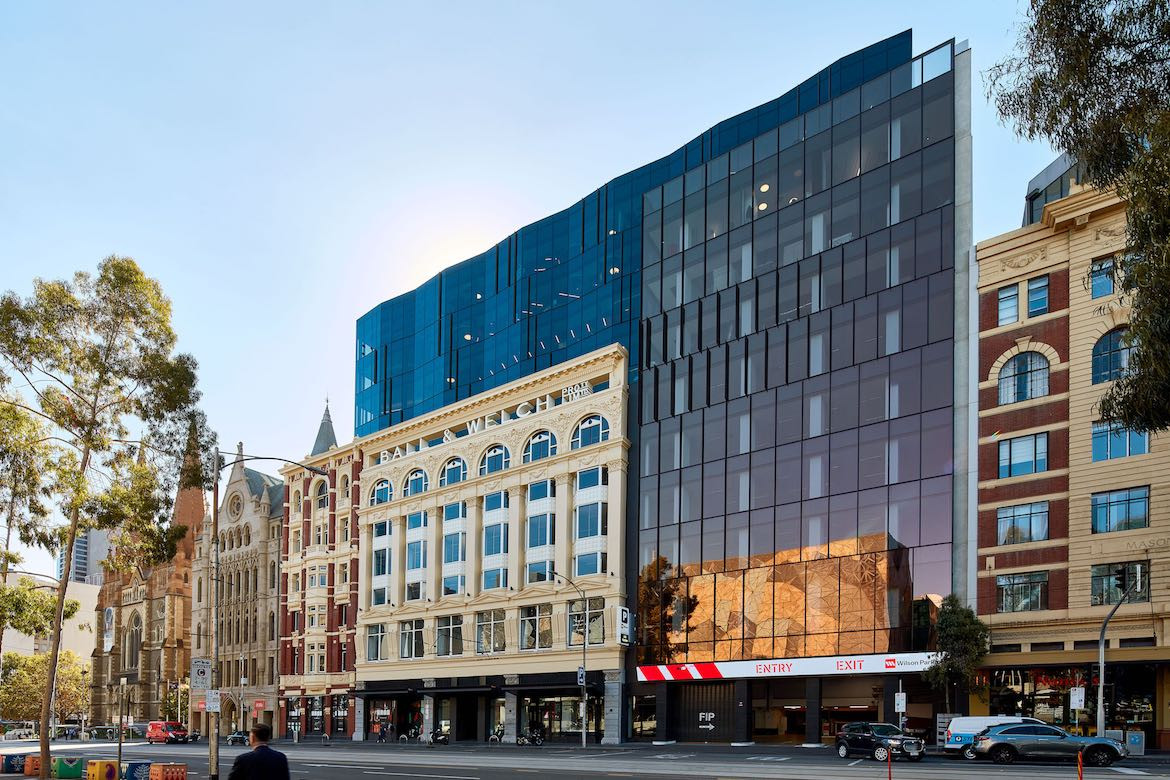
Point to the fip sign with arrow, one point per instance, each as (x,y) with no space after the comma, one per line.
(707,721)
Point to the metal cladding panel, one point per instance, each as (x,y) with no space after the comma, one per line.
(705,712)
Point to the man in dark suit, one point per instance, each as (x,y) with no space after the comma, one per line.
(261,762)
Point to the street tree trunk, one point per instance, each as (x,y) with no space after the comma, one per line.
(4,564)
(55,635)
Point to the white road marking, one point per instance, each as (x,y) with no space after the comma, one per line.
(855,763)
(1127,771)
(416,774)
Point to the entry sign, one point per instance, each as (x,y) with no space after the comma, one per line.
(212,699)
(900,701)
(707,721)
(200,674)
(1076,698)
(580,675)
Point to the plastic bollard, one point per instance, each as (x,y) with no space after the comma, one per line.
(66,767)
(168,772)
(12,764)
(32,766)
(101,770)
(135,770)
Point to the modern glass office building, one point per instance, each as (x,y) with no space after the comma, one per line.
(792,289)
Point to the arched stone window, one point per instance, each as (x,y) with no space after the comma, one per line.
(454,472)
(416,482)
(1024,376)
(542,444)
(322,495)
(1111,356)
(132,642)
(497,458)
(592,430)
(383,491)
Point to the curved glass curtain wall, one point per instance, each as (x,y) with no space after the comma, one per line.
(560,287)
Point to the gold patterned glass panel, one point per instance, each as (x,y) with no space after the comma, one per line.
(758,614)
(729,650)
(823,594)
(702,623)
(760,647)
(700,651)
(790,579)
(857,592)
(821,644)
(790,646)
(729,605)
(856,642)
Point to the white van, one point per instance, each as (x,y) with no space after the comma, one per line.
(961,732)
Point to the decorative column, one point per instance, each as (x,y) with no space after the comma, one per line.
(614,728)
(564,523)
(517,517)
(473,566)
(616,498)
(511,709)
(398,568)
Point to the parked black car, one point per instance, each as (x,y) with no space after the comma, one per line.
(237,738)
(1006,742)
(879,741)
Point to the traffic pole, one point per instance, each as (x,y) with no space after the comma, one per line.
(889,764)
(1080,765)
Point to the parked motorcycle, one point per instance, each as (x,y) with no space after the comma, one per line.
(497,734)
(534,737)
(440,737)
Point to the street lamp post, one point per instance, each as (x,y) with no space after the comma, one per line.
(1101,652)
(213,726)
(584,647)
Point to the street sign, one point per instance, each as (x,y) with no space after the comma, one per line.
(1076,698)
(900,701)
(200,674)
(212,699)
(707,721)
(625,627)
(580,675)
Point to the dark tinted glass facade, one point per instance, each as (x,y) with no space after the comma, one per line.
(785,285)
(797,349)
(562,286)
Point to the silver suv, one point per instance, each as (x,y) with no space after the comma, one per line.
(1006,742)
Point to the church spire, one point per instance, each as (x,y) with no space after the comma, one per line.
(325,436)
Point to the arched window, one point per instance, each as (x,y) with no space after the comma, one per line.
(198,636)
(381,493)
(541,444)
(495,459)
(591,430)
(322,495)
(199,590)
(345,486)
(132,643)
(272,575)
(296,505)
(416,482)
(271,626)
(247,536)
(1024,376)
(454,472)
(255,579)
(1111,356)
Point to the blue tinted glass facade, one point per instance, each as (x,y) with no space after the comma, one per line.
(572,282)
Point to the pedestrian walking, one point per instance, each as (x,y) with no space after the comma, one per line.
(261,762)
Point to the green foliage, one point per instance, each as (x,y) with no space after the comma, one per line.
(96,364)
(23,682)
(963,641)
(663,608)
(1091,77)
(29,608)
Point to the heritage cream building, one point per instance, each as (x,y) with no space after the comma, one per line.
(250,516)
(482,525)
(1072,511)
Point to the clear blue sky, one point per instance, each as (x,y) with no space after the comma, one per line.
(282,167)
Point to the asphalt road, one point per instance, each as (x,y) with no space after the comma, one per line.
(458,762)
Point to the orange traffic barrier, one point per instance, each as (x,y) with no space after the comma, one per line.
(32,766)
(168,772)
(101,770)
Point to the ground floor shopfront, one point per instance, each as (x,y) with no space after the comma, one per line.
(327,715)
(1136,694)
(238,712)
(804,700)
(475,708)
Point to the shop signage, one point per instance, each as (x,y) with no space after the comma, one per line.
(212,700)
(495,419)
(200,674)
(258,705)
(836,665)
